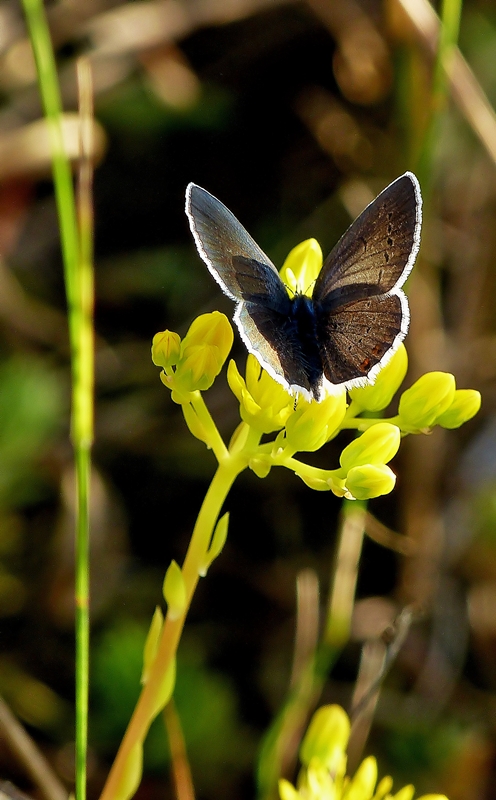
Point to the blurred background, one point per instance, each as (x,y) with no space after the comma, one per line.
(295,114)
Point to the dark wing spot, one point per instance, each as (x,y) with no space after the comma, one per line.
(386,256)
(389,241)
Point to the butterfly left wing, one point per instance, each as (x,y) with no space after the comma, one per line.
(246,274)
(361,312)
(235,260)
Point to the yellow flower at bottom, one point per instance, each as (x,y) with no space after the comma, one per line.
(324,779)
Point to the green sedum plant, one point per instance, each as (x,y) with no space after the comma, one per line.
(189,367)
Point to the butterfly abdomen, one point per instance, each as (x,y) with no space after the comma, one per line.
(305,324)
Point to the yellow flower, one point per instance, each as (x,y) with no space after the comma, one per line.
(388,381)
(264,404)
(312,424)
(368,481)
(326,738)
(323,775)
(426,400)
(303,264)
(197,359)
(465,405)
(377,445)
(166,349)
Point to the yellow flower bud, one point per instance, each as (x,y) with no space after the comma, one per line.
(377,445)
(212,329)
(264,404)
(203,352)
(361,786)
(287,791)
(432,797)
(312,424)
(326,738)
(387,383)
(406,793)
(198,368)
(426,400)
(465,405)
(317,783)
(383,787)
(236,382)
(369,480)
(198,359)
(302,266)
(166,348)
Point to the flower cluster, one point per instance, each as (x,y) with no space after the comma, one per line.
(323,774)
(191,365)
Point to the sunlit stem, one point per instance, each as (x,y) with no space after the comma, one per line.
(145,709)
(342,596)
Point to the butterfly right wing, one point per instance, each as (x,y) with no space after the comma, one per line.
(246,274)
(361,311)
(379,249)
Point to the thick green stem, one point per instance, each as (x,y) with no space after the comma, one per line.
(146,708)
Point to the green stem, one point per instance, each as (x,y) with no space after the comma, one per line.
(448,36)
(146,707)
(215,439)
(50,94)
(307,470)
(364,423)
(83,472)
(78,276)
(82,415)
(345,573)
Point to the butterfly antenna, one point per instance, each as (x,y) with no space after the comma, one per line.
(311,285)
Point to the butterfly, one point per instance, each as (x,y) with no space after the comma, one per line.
(357,315)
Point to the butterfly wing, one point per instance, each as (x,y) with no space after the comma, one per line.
(362,313)
(221,241)
(246,274)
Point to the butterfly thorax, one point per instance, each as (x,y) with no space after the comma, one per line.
(305,324)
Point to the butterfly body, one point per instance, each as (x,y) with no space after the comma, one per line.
(357,315)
